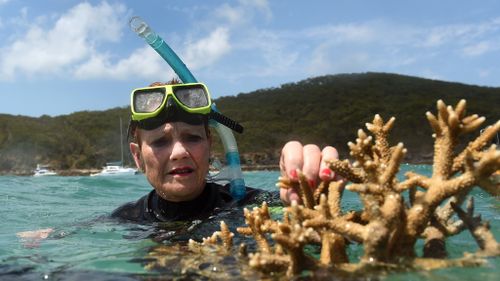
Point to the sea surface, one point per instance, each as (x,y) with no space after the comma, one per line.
(86,245)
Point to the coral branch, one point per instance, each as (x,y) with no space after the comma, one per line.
(413,180)
(475,148)
(259,223)
(306,192)
(479,230)
(335,191)
(381,132)
(387,227)
(344,169)
(392,169)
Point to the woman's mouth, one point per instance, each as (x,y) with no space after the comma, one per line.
(181,171)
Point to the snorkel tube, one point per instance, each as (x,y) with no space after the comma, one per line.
(233,168)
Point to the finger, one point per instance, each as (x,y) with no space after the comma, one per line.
(35,234)
(328,153)
(289,195)
(291,159)
(312,159)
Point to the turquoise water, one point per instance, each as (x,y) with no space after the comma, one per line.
(86,246)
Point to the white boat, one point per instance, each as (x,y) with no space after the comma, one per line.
(115,169)
(43,170)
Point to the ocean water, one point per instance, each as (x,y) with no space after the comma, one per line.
(86,245)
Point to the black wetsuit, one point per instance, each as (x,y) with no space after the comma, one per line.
(153,208)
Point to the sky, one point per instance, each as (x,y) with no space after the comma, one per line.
(62,56)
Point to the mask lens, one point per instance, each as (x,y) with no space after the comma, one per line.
(148,101)
(192,97)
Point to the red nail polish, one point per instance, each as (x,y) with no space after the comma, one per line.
(327,172)
(312,183)
(293,174)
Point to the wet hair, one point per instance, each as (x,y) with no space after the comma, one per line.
(170,113)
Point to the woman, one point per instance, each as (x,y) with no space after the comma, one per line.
(171,144)
(172,148)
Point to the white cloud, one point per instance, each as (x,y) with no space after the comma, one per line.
(484,73)
(72,39)
(209,49)
(353,47)
(324,61)
(16,22)
(343,33)
(459,34)
(2,2)
(261,5)
(241,13)
(231,15)
(321,61)
(384,46)
(438,36)
(143,63)
(477,49)
(73,44)
(383,38)
(278,56)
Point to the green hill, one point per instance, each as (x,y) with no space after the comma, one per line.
(330,110)
(323,110)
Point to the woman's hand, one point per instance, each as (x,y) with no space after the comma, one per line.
(31,239)
(309,159)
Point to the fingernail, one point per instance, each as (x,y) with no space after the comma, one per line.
(312,183)
(327,172)
(293,174)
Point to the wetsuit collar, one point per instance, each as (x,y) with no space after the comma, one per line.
(198,208)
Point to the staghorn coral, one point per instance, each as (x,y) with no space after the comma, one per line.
(223,235)
(388,227)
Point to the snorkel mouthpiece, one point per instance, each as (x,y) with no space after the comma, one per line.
(161,47)
(233,167)
(142,29)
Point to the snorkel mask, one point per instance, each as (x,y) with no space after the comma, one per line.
(152,107)
(222,124)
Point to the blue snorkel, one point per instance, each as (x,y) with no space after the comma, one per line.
(232,171)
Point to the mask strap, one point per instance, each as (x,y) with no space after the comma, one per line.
(226,121)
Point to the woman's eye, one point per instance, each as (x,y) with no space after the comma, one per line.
(194,138)
(159,142)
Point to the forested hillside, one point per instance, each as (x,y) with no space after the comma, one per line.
(322,110)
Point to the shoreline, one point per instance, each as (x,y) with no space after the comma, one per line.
(87,172)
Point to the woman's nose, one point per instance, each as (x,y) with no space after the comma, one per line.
(179,151)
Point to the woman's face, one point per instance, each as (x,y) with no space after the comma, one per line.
(174,158)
